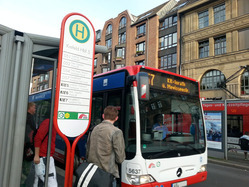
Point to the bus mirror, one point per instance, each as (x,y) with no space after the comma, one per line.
(143,86)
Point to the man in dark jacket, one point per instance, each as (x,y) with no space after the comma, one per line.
(30,128)
(244,143)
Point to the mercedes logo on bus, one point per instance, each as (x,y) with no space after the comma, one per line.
(179,172)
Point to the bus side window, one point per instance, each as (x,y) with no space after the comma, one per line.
(97,109)
(114,99)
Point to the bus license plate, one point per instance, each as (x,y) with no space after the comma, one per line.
(179,184)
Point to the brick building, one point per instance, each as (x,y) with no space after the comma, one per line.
(140,39)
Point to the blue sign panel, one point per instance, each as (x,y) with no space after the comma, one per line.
(40,96)
(109,82)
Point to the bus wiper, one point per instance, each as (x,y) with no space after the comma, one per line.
(187,145)
(192,147)
(161,153)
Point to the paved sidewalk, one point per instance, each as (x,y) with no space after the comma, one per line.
(61,177)
(234,160)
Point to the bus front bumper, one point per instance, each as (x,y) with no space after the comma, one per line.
(199,177)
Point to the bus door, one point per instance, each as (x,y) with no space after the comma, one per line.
(115,99)
(100,101)
(97,109)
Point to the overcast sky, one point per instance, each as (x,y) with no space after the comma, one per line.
(44,17)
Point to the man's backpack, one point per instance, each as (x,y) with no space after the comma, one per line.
(244,144)
(90,175)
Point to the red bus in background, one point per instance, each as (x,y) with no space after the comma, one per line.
(237,118)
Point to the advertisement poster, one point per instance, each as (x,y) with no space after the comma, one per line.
(213,123)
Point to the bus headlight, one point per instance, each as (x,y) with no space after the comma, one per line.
(140,179)
(203,168)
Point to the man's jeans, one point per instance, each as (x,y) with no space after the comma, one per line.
(114,183)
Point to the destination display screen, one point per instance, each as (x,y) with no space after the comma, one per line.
(172,83)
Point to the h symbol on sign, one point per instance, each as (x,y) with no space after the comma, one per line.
(81,31)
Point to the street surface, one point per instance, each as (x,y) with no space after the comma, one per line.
(219,176)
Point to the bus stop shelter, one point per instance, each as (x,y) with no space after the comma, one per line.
(18,52)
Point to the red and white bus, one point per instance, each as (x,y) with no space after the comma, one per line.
(170,155)
(174,154)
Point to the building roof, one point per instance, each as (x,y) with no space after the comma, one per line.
(168,8)
(178,5)
(151,13)
(194,4)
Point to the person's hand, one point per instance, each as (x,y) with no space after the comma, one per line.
(36,159)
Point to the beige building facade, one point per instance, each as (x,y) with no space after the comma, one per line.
(215,47)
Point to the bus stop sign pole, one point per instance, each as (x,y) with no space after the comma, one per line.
(73,97)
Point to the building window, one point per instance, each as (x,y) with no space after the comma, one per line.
(104,70)
(95,62)
(212,80)
(98,35)
(107,63)
(108,43)
(245,83)
(122,38)
(168,41)
(220,45)
(141,30)
(219,13)
(47,76)
(167,61)
(244,39)
(140,48)
(203,19)
(46,86)
(203,49)
(168,22)
(122,23)
(243,7)
(109,59)
(117,66)
(109,29)
(41,78)
(121,53)
(141,62)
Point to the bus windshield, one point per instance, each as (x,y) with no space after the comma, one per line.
(171,126)
(171,120)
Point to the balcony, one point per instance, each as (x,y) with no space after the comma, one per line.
(44,81)
(118,59)
(138,53)
(140,35)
